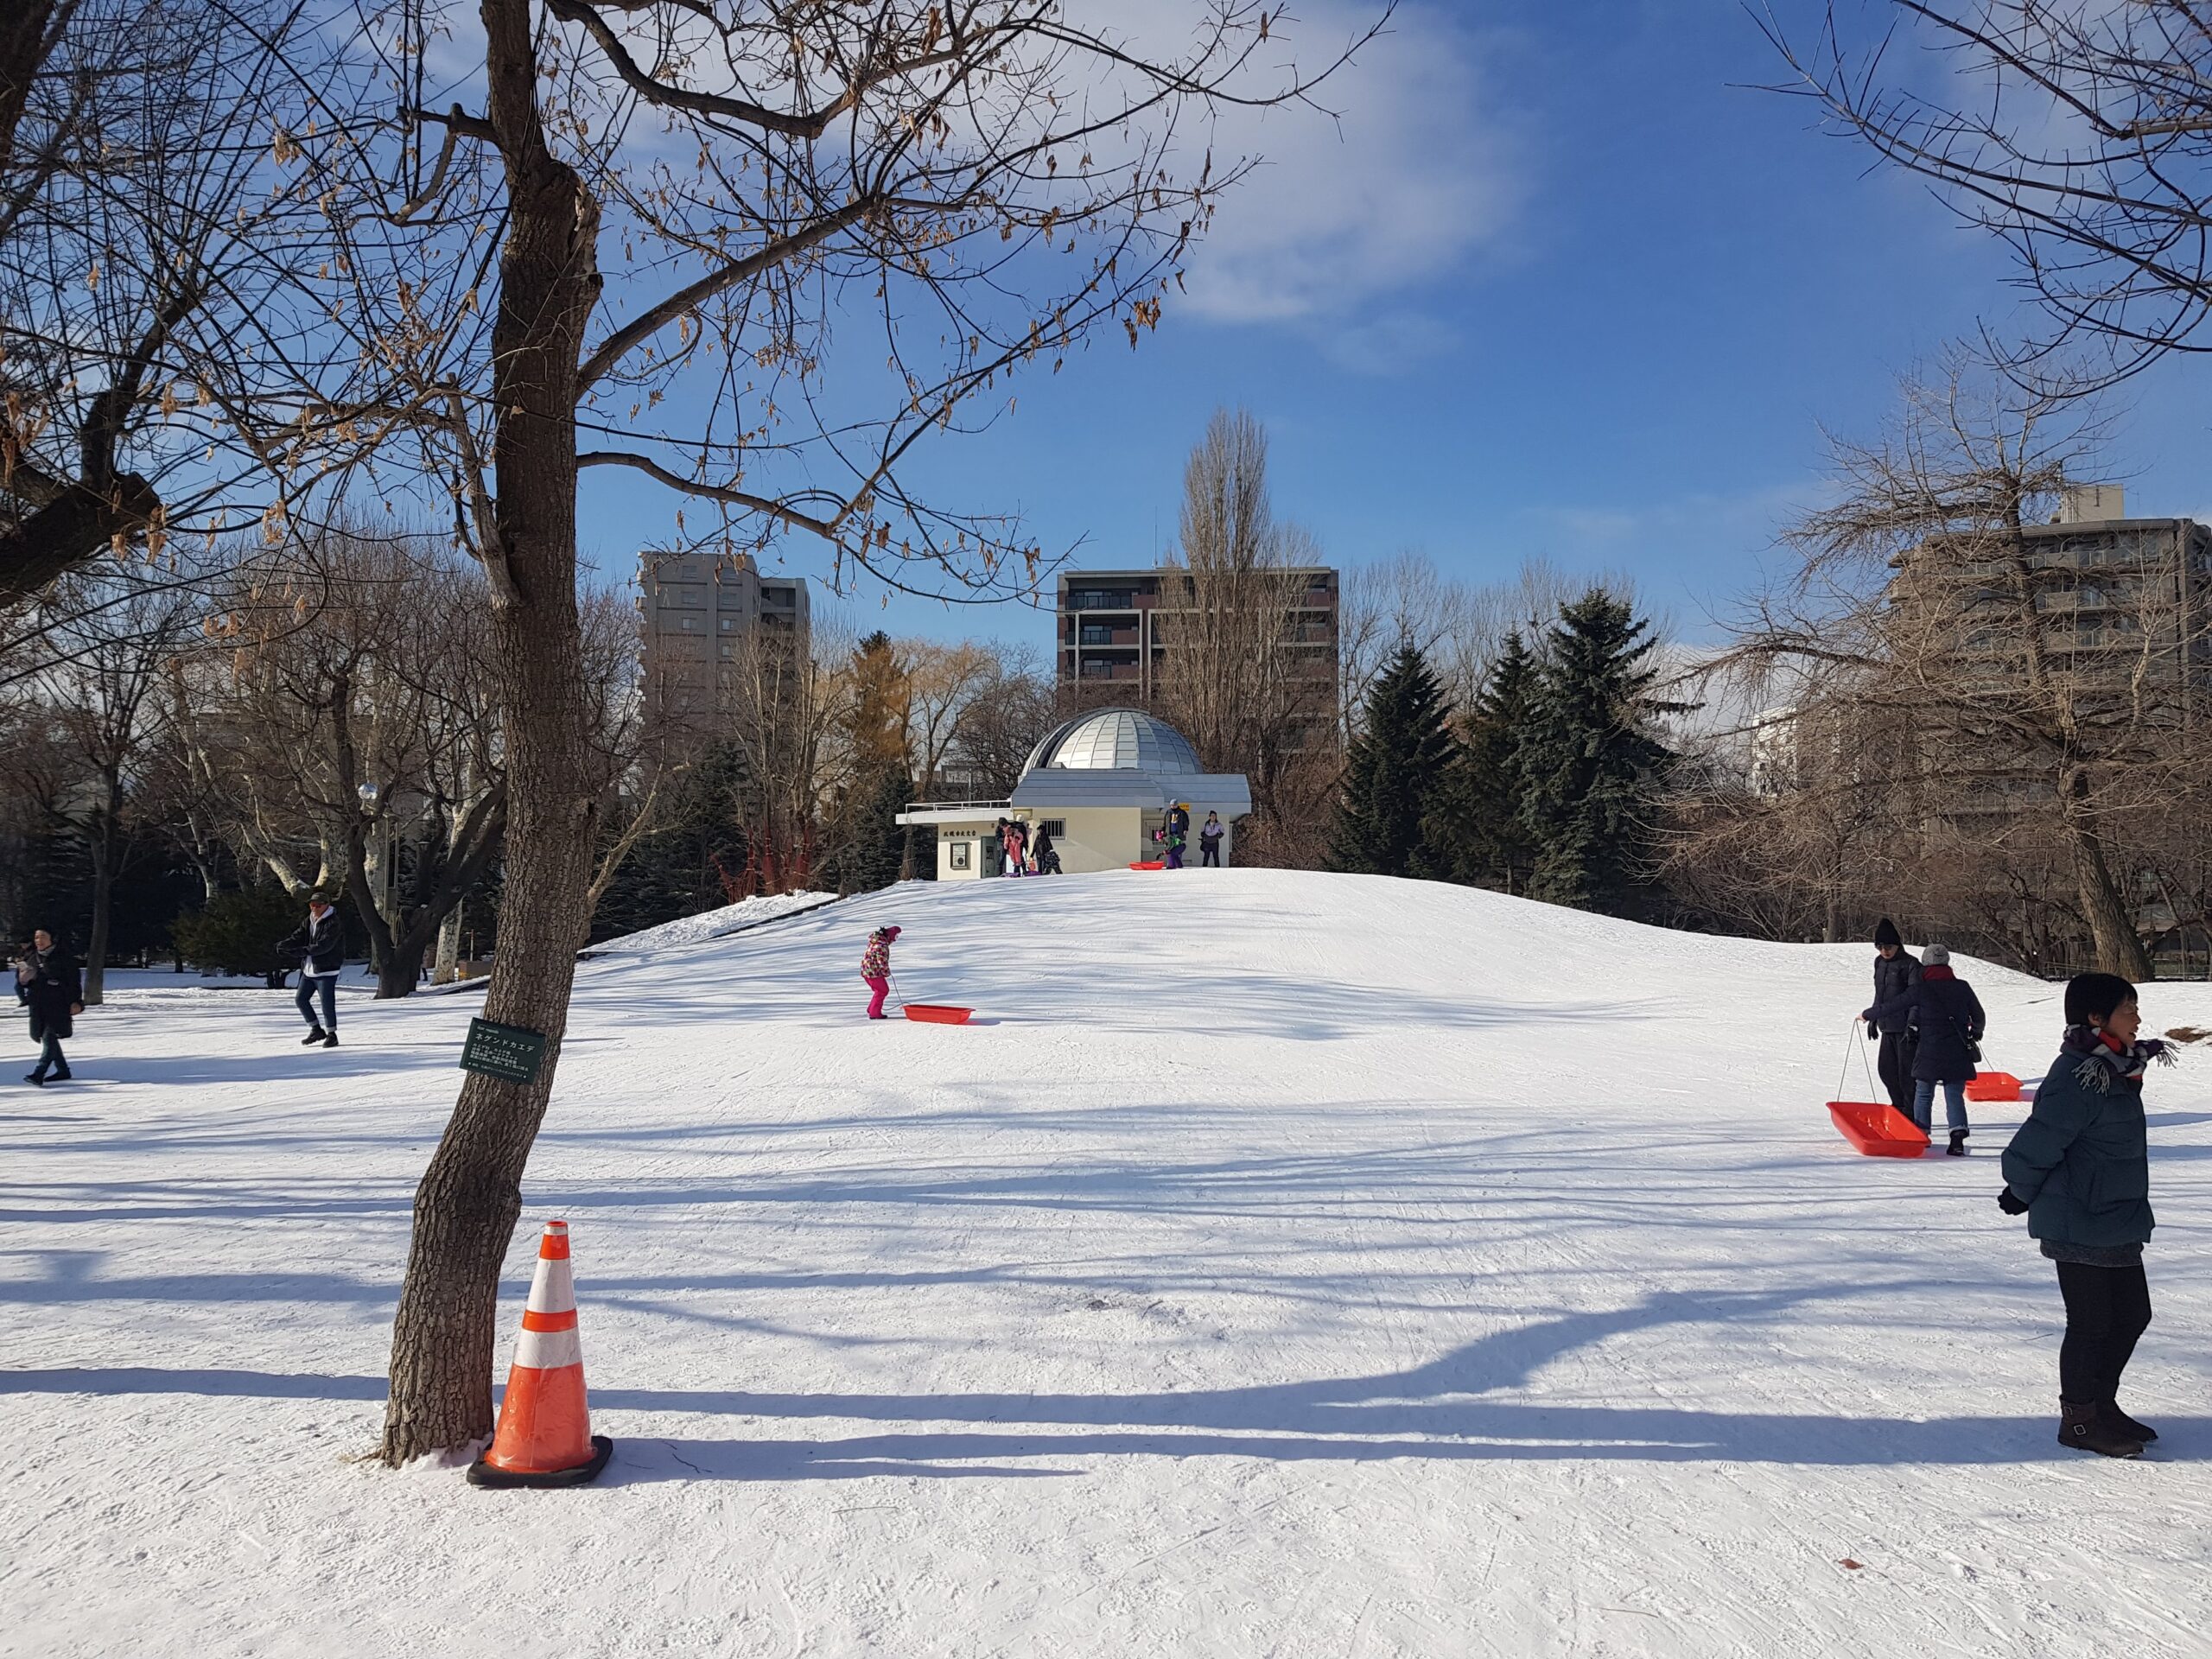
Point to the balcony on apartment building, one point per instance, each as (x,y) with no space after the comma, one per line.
(1104,599)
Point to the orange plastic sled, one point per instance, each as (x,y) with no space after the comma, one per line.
(1994,1085)
(939,1014)
(1150,864)
(1878,1130)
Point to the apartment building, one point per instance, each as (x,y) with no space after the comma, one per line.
(2122,605)
(1116,627)
(699,612)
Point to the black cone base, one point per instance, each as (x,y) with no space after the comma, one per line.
(481,1473)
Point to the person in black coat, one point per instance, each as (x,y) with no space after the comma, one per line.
(1951,1023)
(1896,971)
(49,986)
(2079,1170)
(319,946)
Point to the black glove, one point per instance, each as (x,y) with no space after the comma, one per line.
(2011,1202)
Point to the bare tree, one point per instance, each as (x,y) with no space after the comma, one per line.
(944,685)
(2082,140)
(1011,711)
(344,712)
(89,713)
(2042,701)
(139,238)
(1244,675)
(989,181)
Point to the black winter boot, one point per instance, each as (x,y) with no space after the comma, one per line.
(312,1038)
(2120,1423)
(330,1039)
(1958,1147)
(2082,1426)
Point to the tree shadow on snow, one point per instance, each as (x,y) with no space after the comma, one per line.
(1462,1407)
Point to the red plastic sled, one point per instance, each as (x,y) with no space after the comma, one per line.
(1994,1085)
(1150,864)
(1878,1130)
(938,1013)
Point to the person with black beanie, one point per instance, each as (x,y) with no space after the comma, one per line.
(2079,1170)
(1896,971)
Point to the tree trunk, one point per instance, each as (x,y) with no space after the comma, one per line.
(399,970)
(2112,927)
(103,915)
(466,1206)
(448,960)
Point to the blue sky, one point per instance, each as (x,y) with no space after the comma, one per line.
(1565,287)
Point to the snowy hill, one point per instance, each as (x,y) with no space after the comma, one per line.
(1282,1264)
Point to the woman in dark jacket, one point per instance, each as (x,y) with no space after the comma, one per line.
(2079,1170)
(46,983)
(1896,971)
(1951,1022)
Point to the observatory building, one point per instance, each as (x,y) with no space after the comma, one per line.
(1099,785)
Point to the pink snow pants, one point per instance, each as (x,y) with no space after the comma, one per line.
(882,989)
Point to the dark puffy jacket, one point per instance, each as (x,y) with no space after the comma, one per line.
(2082,1160)
(54,989)
(1948,1014)
(1893,977)
(318,947)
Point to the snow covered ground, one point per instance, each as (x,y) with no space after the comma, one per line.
(713,924)
(1281,1265)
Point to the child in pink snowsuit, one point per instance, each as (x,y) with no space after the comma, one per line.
(876,968)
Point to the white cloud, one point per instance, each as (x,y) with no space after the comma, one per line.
(1418,173)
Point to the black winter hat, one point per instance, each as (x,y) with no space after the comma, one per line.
(1886,932)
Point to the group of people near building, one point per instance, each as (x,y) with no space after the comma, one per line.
(1025,851)
(1174,838)
(2078,1168)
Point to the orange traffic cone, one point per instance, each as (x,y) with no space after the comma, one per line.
(544,1436)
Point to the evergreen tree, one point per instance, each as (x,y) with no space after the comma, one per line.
(1396,774)
(1479,827)
(1590,760)
(869,846)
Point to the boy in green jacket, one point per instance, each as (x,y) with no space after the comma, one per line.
(2079,1170)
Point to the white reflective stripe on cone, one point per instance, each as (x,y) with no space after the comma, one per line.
(554,1289)
(548,1350)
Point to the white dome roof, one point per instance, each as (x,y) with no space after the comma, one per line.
(1115,740)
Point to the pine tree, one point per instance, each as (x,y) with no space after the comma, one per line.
(869,845)
(1396,771)
(1480,825)
(1590,760)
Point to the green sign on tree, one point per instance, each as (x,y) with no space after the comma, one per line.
(509,1052)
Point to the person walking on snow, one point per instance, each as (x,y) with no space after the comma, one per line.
(876,968)
(1210,841)
(48,984)
(319,944)
(1043,853)
(1896,971)
(1951,1022)
(2079,1170)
